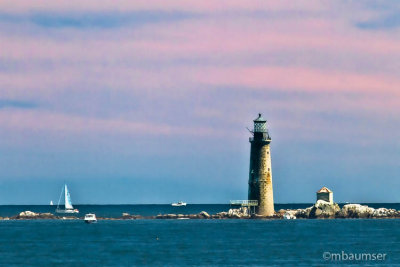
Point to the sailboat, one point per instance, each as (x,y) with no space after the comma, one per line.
(51,203)
(67,200)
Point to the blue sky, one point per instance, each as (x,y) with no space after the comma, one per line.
(145,102)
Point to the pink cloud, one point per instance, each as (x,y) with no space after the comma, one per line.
(299,79)
(202,38)
(172,5)
(149,62)
(76,61)
(64,124)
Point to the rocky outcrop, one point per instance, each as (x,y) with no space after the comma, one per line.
(289,215)
(28,214)
(382,212)
(356,211)
(172,216)
(303,213)
(320,210)
(323,209)
(363,211)
(205,215)
(220,215)
(299,213)
(127,216)
(33,215)
(242,212)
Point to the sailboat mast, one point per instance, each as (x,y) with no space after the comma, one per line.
(65,196)
(59,199)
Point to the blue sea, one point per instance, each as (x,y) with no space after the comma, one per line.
(195,242)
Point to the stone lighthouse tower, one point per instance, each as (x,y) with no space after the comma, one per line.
(260,174)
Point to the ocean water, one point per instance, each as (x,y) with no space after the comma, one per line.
(196,242)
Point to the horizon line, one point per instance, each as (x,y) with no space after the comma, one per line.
(193,204)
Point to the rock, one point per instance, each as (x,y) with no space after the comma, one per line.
(323,209)
(127,216)
(303,213)
(289,215)
(291,212)
(244,211)
(28,214)
(285,214)
(356,211)
(281,212)
(238,213)
(32,215)
(205,214)
(392,212)
(383,212)
(317,212)
(46,216)
(222,214)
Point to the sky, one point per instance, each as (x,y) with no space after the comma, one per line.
(148,101)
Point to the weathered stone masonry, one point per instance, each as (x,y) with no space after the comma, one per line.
(260,173)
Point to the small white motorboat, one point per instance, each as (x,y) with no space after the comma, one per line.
(178,204)
(90,218)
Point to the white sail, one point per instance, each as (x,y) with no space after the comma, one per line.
(68,203)
(51,203)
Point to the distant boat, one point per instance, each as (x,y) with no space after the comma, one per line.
(67,202)
(180,203)
(90,218)
(51,203)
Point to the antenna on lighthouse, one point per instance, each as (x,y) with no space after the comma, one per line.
(250,130)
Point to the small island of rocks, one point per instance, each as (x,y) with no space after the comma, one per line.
(320,210)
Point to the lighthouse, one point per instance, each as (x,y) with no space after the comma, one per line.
(260,173)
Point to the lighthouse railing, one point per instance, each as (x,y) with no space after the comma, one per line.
(244,202)
(251,139)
